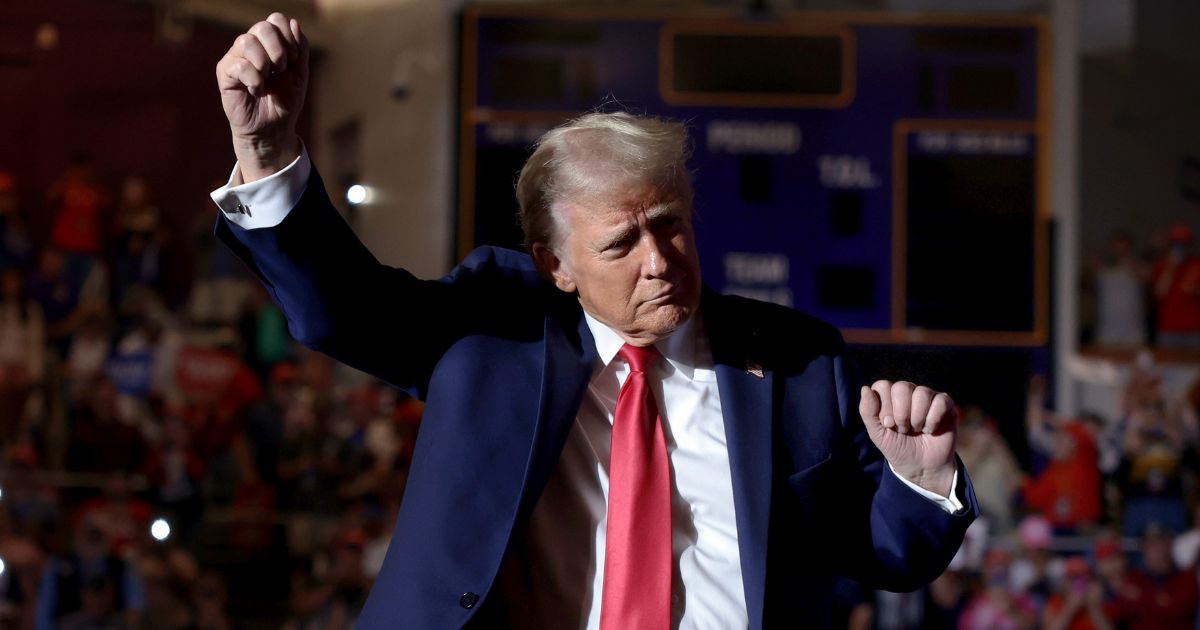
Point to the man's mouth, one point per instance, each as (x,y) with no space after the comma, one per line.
(663,296)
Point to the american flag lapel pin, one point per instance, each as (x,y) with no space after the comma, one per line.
(754,369)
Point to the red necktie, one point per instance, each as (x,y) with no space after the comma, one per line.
(637,554)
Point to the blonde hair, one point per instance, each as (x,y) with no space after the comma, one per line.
(596,155)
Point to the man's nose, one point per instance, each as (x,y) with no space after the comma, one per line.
(656,256)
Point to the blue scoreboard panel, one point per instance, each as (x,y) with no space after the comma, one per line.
(886,173)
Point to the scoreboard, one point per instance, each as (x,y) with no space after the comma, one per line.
(884,172)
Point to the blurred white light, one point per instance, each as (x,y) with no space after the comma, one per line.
(357,194)
(160,529)
(1,493)
(1,566)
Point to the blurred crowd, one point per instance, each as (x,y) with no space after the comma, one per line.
(174,464)
(1150,296)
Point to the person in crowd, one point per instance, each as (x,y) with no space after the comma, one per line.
(374,455)
(219,300)
(332,600)
(1159,596)
(217,423)
(1078,604)
(213,434)
(299,454)
(22,351)
(16,245)
(994,470)
(1042,426)
(24,561)
(126,517)
(169,575)
(33,503)
(1035,570)
(175,470)
(98,607)
(1120,281)
(100,441)
(1112,569)
(136,212)
(152,332)
(87,354)
(998,606)
(78,206)
(138,236)
(1176,281)
(947,600)
(89,584)
(66,303)
(1068,490)
(1151,474)
(211,603)
(54,291)
(136,368)
(265,421)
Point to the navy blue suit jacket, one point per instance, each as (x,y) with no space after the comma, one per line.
(502,360)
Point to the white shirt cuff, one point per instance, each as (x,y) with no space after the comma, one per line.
(951,504)
(266,202)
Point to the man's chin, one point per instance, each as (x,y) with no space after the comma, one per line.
(669,317)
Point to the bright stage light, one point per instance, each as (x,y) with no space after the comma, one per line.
(160,529)
(357,194)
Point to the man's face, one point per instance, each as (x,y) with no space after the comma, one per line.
(631,259)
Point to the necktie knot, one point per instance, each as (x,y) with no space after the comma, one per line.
(639,358)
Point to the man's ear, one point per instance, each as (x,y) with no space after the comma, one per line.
(553,268)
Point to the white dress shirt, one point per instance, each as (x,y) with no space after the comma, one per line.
(266,202)
(556,578)
(561,581)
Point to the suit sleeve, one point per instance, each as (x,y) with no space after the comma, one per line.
(340,300)
(893,537)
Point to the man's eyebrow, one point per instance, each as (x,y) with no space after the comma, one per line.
(662,209)
(653,214)
(617,238)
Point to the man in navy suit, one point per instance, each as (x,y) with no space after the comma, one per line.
(756,476)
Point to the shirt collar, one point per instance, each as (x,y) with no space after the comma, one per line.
(679,348)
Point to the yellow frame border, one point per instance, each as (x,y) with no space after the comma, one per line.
(900,332)
(666,59)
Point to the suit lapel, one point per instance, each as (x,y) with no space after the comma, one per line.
(570,353)
(745,385)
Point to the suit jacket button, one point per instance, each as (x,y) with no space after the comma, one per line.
(468,600)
